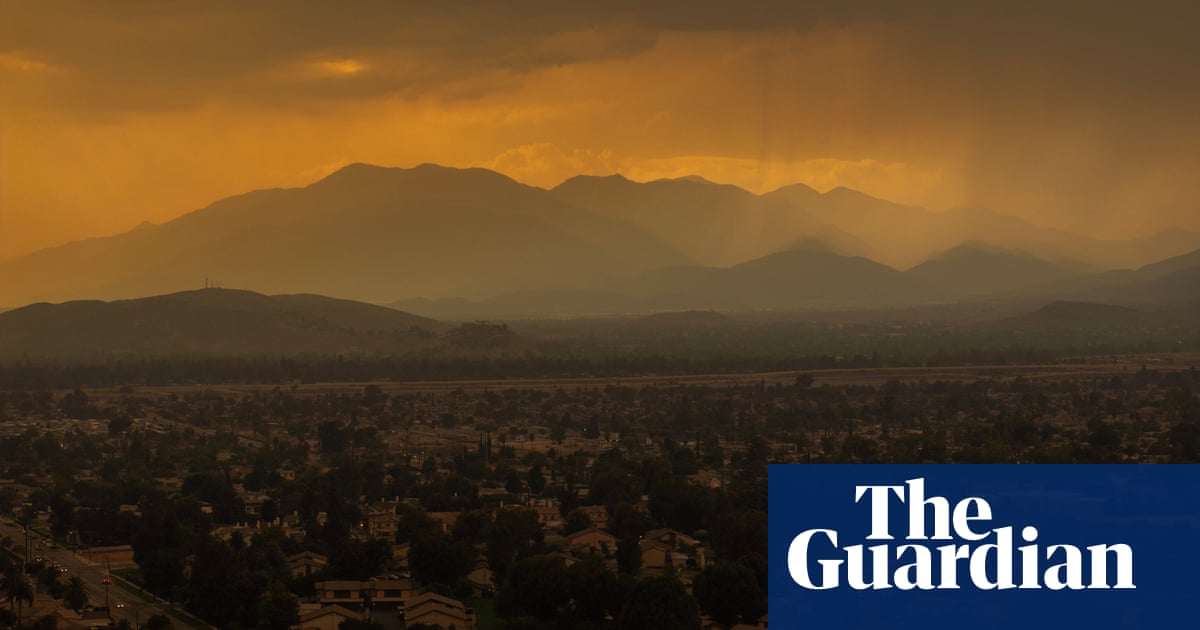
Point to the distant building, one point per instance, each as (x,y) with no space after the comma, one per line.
(307,563)
(326,618)
(436,610)
(378,592)
(593,539)
(120,554)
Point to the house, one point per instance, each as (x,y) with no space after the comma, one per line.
(382,524)
(348,593)
(656,556)
(326,618)
(674,539)
(594,539)
(390,592)
(382,592)
(549,517)
(436,610)
(445,519)
(597,513)
(400,554)
(483,581)
(306,563)
(678,543)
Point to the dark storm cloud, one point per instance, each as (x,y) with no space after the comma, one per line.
(145,55)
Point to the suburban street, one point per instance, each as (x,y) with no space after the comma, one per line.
(135,609)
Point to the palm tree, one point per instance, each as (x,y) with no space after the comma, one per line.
(75,594)
(19,591)
(7,581)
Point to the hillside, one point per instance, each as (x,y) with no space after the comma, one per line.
(213,322)
(364,232)
(1063,314)
(903,236)
(790,279)
(814,277)
(975,269)
(714,224)
(464,243)
(1168,281)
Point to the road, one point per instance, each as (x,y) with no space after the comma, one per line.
(136,610)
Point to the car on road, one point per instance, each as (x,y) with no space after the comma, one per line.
(120,604)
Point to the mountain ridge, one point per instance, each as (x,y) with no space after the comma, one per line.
(379,233)
(212,322)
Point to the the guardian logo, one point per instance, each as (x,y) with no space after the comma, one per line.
(949,546)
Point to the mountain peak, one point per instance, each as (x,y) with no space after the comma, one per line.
(796,188)
(594,180)
(691,179)
(848,194)
(423,177)
(976,248)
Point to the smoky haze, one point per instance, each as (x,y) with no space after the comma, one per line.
(382,234)
(1076,116)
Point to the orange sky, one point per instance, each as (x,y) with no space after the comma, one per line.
(1082,117)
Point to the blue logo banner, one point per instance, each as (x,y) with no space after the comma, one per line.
(984,546)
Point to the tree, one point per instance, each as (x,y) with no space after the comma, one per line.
(158,622)
(577,520)
(594,589)
(538,586)
(511,537)
(659,603)
(334,438)
(48,578)
(626,521)
(437,559)
(278,609)
(537,481)
(629,556)
(119,425)
(727,590)
(75,596)
(471,525)
(18,590)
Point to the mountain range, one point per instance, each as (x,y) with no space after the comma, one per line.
(462,243)
(815,278)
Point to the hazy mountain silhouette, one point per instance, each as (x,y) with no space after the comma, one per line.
(715,224)
(790,279)
(902,236)
(1168,281)
(467,241)
(1066,314)
(1176,287)
(812,277)
(363,232)
(556,304)
(977,269)
(213,321)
